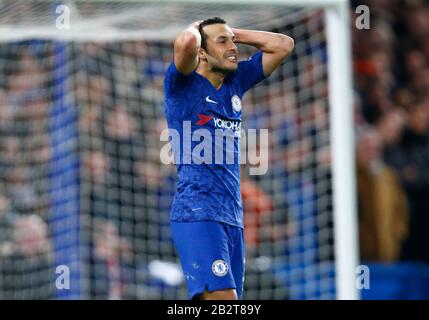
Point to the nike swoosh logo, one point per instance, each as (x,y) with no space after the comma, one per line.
(209,100)
(195,209)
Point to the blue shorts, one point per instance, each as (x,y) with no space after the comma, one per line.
(211,254)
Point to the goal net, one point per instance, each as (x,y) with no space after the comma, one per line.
(84,197)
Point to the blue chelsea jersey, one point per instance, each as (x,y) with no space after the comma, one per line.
(208,185)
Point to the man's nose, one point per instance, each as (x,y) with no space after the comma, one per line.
(233,46)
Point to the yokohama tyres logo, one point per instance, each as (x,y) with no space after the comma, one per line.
(219,123)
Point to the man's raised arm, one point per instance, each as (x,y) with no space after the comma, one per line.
(186,48)
(275,46)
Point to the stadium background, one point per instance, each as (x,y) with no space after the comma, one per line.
(81,184)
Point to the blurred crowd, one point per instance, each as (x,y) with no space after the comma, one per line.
(391,68)
(25,248)
(126,192)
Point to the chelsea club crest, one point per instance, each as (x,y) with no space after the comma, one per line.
(236,103)
(220,268)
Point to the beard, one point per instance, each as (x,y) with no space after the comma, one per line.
(223,68)
(220,66)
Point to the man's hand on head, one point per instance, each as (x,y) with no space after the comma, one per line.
(196,24)
(186,46)
(194,29)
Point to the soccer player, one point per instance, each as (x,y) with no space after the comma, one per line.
(204,86)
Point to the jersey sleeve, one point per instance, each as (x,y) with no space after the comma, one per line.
(175,81)
(250,72)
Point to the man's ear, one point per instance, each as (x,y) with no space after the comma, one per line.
(202,55)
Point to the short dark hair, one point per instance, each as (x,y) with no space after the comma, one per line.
(207,22)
